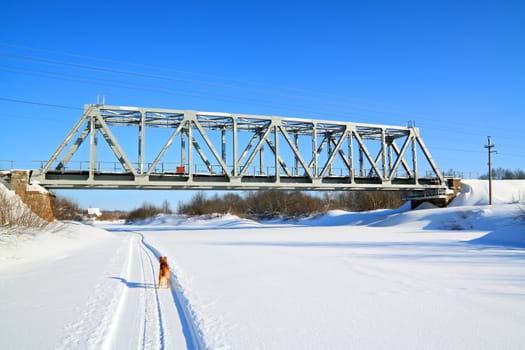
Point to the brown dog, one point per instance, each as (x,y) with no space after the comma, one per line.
(164,271)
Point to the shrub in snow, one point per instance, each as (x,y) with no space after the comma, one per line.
(66,209)
(146,211)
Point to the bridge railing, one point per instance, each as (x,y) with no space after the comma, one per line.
(175,168)
(7,164)
(178,169)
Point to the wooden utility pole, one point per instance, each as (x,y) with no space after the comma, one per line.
(489,148)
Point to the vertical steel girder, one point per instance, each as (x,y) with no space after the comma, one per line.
(228,145)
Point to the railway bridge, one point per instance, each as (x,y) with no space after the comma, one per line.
(119,147)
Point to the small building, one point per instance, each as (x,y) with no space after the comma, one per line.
(94,212)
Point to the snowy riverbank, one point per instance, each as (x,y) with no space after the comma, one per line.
(391,279)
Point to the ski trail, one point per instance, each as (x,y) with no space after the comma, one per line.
(138,318)
(192,334)
(144,317)
(126,310)
(153,300)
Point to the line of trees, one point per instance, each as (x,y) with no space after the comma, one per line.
(267,204)
(505,174)
(148,210)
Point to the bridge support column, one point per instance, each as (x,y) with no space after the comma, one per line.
(37,198)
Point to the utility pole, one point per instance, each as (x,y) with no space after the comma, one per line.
(489,148)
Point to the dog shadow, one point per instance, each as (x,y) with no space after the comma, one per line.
(134,284)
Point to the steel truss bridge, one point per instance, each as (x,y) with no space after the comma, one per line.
(117,147)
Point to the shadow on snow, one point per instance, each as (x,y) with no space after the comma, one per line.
(134,284)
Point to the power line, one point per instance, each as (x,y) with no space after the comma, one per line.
(265,85)
(143,75)
(39,103)
(186,92)
(205,84)
(335,100)
(456,150)
(142,87)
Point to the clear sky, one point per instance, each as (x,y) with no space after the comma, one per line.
(456,68)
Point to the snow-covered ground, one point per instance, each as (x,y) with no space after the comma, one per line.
(450,278)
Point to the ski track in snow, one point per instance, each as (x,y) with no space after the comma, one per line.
(138,320)
(138,314)
(192,334)
(162,317)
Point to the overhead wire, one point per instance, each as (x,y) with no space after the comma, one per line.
(143,87)
(157,77)
(178,92)
(229,86)
(170,69)
(336,101)
(39,103)
(197,94)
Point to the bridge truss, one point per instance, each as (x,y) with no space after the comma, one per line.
(116,147)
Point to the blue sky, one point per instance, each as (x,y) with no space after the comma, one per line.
(457,68)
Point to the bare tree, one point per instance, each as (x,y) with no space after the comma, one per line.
(166,208)
(66,209)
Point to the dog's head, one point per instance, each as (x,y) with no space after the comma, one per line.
(163,259)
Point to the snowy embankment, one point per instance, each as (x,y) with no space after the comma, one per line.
(504,221)
(390,279)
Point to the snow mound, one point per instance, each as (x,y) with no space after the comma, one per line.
(342,218)
(476,192)
(426,205)
(57,241)
(201,221)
